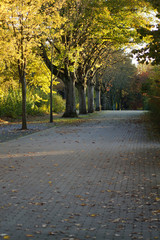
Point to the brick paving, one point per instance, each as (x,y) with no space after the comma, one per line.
(98,180)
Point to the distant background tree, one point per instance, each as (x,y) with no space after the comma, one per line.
(151,90)
(117,83)
(150,54)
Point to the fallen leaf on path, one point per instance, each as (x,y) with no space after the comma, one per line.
(156,212)
(93,215)
(14,191)
(6,237)
(44,225)
(157,199)
(116,220)
(92,229)
(78,196)
(78,225)
(51,233)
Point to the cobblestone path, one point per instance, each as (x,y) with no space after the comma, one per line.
(98,180)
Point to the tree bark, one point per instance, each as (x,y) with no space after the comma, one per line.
(98,99)
(24,114)
(82,99)
(51,90)
(69,82)
(70,110)
(90,98)
(22,77)
(103,101)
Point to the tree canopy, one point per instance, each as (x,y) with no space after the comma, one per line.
(79,31)
(151,51)
(22,24)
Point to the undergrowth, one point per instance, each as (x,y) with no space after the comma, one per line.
(37,103)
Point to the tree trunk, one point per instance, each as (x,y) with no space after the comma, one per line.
(68,81)
(24,114)
(113,103)
(82,99)
(51,90)
(90,98)
(70,110)
(98,101)
(103,101)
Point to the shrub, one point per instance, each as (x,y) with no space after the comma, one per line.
(58,104)
(37,103)
(10,104)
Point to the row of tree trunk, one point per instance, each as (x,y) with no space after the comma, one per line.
(94,100)
(70,82)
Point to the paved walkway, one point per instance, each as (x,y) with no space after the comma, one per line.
(98,180)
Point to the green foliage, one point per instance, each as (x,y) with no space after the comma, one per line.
(151,51)
(58,104)
(10,104)
(155,108)
(37,103)
(153,93)
(150,90)
(120,85)
(78,31)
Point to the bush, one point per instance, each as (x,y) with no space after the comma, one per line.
(155,109)
(37,103)
(58,104)
(10,104)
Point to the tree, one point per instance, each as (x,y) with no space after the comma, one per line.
(151,90)
(22,27)
(91,57)
(87,22)
(116,83)
(20,24)
(78,27)
(151,50)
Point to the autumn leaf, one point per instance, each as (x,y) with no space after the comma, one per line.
(83,204)
(156,212)
(56,165)
(109,190)
(157,199)
(14,191)
(78,196)
(93,215)
(6,237)
(44,225)
(50,183)
(92,229)
(116,220)
(77,225)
